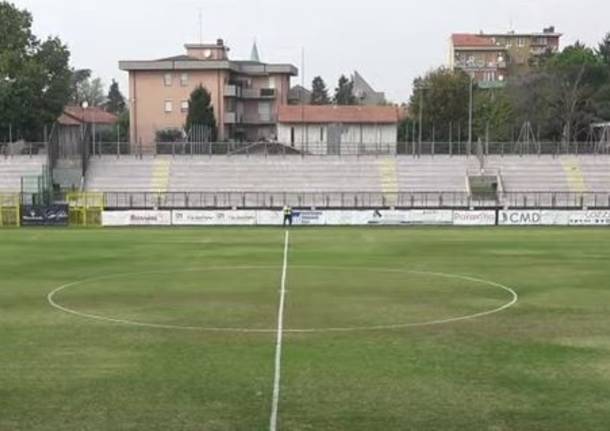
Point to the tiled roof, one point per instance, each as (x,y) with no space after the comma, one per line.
(75,115)
(471,40)
(338,114)
(66,120)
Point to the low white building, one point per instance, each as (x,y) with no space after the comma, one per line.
(339,130)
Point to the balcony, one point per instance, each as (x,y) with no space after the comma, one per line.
(250,93)
(249,120)
(230,118)
(258,93)
(258,120)
(232,91)
(480,65)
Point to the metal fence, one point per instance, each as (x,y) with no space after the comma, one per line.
(350,149)
(354,200)
(22,148)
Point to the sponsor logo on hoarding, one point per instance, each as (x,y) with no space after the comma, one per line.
(520,218)
(45,216)
(590,218)
(308,217)
(474,218)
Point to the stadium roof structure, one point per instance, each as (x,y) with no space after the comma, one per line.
(320,114)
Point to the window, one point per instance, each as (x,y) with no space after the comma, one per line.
(167,79)
(321,134)
(520,42)
(184,79)
(264,111)
(169,106)
(184,106)
(292,136)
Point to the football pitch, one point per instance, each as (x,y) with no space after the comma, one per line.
(314,329)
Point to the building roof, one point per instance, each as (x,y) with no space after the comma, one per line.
(471,40)
(299,94)
(182,57)
(486,40)
(75,116)
(319,114)
(366,93)
(188,62)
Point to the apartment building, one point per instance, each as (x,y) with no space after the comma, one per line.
(491,58)
(246,95)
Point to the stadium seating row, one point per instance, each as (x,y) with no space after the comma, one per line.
(323,174)
(13,169)
(364,174)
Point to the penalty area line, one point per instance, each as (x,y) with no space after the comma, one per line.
(278,344)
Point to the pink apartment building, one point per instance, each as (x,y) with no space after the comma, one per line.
(246,95)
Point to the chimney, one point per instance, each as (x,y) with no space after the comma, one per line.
(220,42)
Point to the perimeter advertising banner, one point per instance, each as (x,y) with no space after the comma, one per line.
(554,218)
(589,218)
(276,218)
(534,218)
(52,215)
(214,218)
(474,218)
(136,218)
(334,218)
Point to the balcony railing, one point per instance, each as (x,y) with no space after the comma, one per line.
(480,65)
(250,93)
(232,91)
(258,93)
(252,119)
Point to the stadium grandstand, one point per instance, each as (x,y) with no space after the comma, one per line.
(271,175)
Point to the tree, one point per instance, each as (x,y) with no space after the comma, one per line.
(344,93)
(78,76)
(603,50)
(200,121)
(92,92)
(34,76)
(445,96)
(115,102)
(493,116)
(576,76)
(564,96)
(319,95)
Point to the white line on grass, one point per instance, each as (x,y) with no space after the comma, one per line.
(54,304)
(278,344)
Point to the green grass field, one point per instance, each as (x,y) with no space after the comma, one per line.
(358,352)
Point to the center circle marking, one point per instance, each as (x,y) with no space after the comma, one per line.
(515,298)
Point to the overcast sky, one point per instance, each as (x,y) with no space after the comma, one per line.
(389,42)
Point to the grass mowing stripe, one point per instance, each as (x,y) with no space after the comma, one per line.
(278,344)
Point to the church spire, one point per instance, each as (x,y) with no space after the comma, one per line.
(255,56)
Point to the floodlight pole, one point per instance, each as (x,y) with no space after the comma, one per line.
(470,111)
(421,114)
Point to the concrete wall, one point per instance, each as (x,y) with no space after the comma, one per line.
(354,138)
